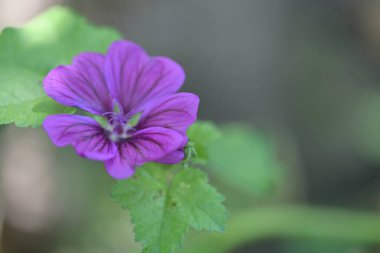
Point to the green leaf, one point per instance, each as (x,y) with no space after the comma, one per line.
(246,159)
(365,126)
(164,205)
(49,106)
(201,135)
(29,53)
(134,120)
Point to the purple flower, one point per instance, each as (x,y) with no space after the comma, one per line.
(124,85)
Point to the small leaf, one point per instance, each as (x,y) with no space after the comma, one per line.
(201,135)
(102,121)
(198,201)
(190,153)
(365,126)
(246,159)
(27,55)
(50,106)
(163,206)
(134,120)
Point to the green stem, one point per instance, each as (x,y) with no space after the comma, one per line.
(299,222)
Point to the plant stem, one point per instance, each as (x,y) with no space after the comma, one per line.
(300,222)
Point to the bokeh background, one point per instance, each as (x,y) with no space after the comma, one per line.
(302,76)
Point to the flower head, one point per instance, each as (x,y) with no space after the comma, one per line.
(143,118)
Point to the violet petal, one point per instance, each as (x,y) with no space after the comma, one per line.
(84,133)
(172,158)
(144,146)
(135,79)
(81,84)
(177,112)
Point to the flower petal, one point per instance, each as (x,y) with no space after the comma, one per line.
(134,78)
(119,168)
(177,112)
(175,156)
(172,158)
(84,133)
(81,84)
(144,146)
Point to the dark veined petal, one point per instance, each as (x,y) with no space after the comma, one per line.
(81,84)
(144,146)
(135,79)
(172,158)
(120,167)
(175,156)
(84,133)
(177,112)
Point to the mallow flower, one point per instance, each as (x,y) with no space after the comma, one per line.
(140,117)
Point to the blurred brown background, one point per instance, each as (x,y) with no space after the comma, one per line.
(305,70)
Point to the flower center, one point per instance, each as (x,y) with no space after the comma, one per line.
(118,127)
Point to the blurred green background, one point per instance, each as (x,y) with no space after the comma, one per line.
(294,86)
